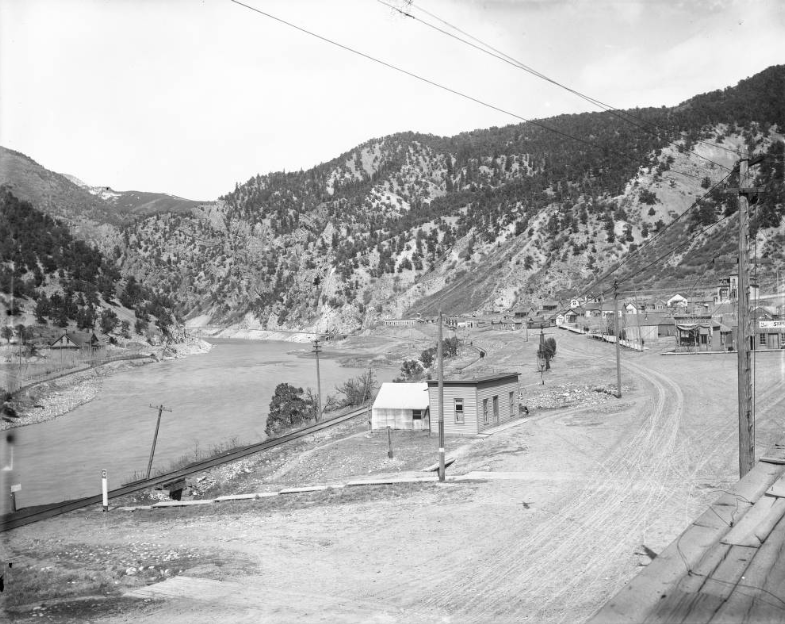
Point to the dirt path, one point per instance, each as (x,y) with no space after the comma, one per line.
(580,492)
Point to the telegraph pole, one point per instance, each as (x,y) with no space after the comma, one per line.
(440,357)
(746,415)
(616,331)
(316,350)
(160,409)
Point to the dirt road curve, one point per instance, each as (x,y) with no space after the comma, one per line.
(581,496)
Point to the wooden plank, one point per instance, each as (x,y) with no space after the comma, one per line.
(434,467)
(765,528)
(777,488)
(722,581)
(743,533)
(300,490)
(190,503)
(685,608)
(234,497)
(766,571)
(753,485)
(722,516)
(770,459)
(640,597)
(692,583)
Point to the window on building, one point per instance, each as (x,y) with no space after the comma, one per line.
(763,339)
(496,408)
(485,410)
(459,411)
(512,403)
(416,414)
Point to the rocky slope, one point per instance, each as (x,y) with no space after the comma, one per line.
(489,220)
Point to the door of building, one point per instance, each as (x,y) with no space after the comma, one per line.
(773,341)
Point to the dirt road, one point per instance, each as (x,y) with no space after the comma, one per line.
(577,495)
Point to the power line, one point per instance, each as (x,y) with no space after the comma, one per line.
(417,76)
(433,83)
(650,242)
(491,51)
(672,251)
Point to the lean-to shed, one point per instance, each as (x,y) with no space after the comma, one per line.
(401,406)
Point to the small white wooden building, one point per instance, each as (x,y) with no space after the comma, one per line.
(401,406)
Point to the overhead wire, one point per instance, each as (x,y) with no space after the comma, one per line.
(417,76)
(494,52)
(477,101)
(433,83)
(650,242)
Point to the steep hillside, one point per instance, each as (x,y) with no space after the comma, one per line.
(51,192)
(486,220)
(130,204)
(48,275)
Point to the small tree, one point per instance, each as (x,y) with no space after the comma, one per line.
(108,320)
(23,333)
(547,351)
(358,390)
(427,357)
(7,332)
(288,407)
(410,371)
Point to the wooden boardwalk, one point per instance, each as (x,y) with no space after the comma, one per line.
(728,566)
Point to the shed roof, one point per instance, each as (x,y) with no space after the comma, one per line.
(473,381)
(725,567)
(402,396)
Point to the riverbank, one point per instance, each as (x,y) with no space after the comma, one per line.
(51,399)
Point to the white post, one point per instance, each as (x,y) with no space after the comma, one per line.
(105,490)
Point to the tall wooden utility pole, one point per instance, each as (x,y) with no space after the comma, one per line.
(616,331)
(746,415)
(440,357)
(316,350)
(160,409)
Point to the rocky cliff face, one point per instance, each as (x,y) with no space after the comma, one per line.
(490,220)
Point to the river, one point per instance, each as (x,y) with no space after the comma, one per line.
(214,398)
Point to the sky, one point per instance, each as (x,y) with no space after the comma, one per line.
(189,97)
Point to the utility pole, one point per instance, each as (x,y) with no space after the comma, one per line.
(616,331)
(316,350)
(746,415)
(440,357)
(160,409)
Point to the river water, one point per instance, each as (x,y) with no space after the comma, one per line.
(214,398)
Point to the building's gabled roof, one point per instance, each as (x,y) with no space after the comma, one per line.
(764,312)
(402,396)
(80,339)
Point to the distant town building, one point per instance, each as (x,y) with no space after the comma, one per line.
(76,340)
(403,322)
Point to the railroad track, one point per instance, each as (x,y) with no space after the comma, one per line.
(43,512)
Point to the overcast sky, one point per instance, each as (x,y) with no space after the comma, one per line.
(189,97)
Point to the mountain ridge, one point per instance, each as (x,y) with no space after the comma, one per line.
(487,220)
